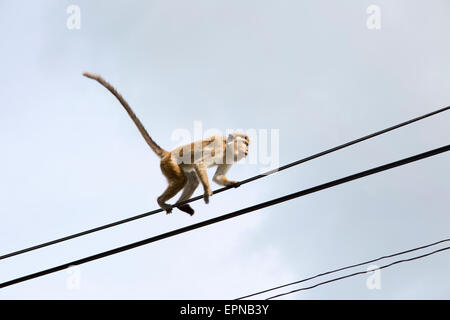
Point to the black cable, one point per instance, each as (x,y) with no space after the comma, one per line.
(143,215)
(232,214)
(343,268)
(359,273)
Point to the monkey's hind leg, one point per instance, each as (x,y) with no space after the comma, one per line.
(176,178)
(191,184)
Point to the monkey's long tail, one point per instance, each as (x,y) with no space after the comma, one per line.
(160,152)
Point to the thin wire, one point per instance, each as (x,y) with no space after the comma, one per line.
(344,268)
(143,215)
(232,214)
(359,273)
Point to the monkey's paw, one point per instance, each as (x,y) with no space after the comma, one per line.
(187,208)
(206,196)
(233,183)
(167,208)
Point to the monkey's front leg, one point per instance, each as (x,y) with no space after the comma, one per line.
(220,179)
(200,169)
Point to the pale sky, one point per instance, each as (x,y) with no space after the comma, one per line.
(72,159)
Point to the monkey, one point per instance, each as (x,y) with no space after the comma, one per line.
(185,166)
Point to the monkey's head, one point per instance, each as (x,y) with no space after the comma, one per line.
(239,143)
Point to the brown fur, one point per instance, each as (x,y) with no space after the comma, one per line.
(176,179)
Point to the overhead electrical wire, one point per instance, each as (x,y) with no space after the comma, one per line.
(359,273)
(309,158)
(231,215)
(343,268)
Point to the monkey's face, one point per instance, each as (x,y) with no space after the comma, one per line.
(241,143)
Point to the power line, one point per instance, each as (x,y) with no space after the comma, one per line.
(360,273)
(143,215)
(343,268)
(232,214)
